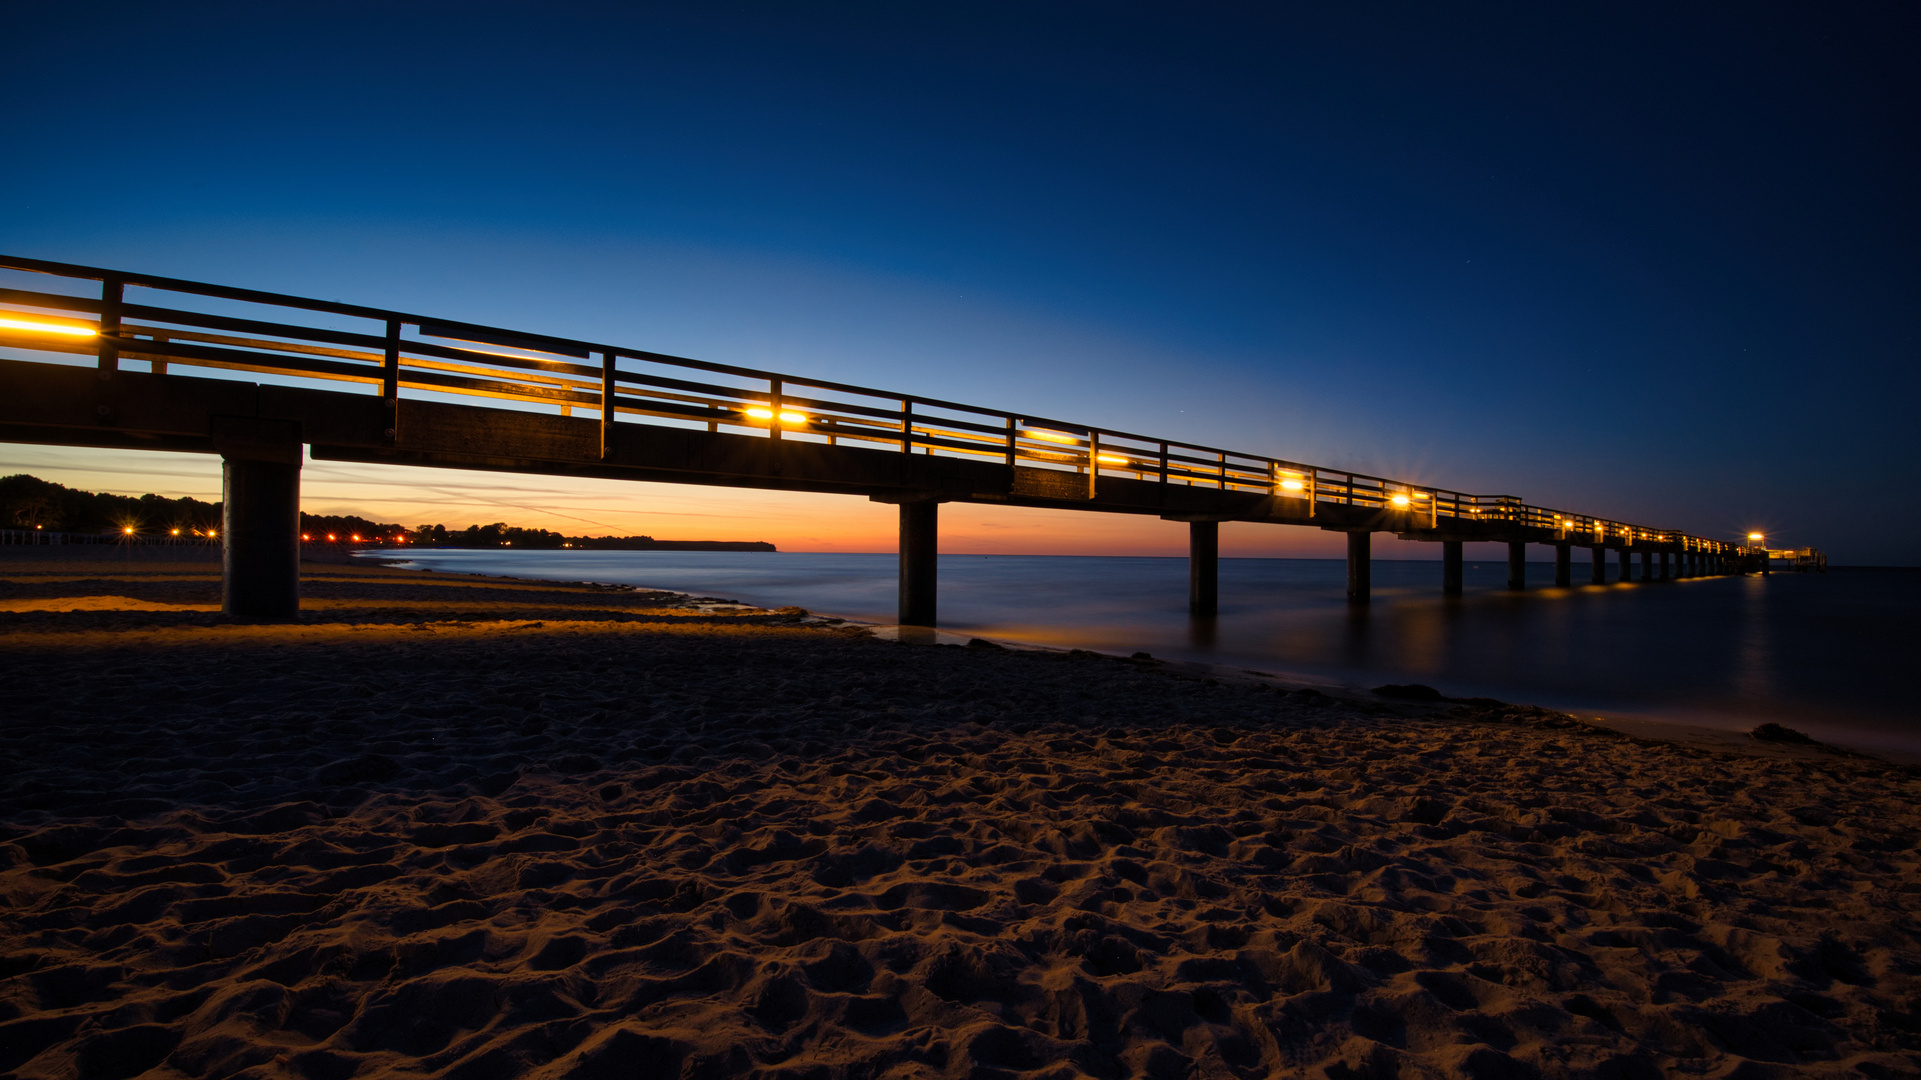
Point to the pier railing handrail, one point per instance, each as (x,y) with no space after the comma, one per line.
(462,359)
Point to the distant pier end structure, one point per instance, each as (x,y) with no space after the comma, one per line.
(93,357)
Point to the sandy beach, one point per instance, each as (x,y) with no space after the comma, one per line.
(482,828)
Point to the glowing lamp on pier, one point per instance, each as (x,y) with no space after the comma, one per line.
(1292,485)
(1399,501)
(1050,436)
(40,325)
(1111,459)
(126,530)
(786,416)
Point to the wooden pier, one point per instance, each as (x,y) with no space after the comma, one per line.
(95,357)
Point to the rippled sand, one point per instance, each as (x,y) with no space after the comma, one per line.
(477,828)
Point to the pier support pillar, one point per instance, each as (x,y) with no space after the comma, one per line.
(1360,567)
(260,537)
(1627,565)
(1203,567)
(1563,565)
(1516,565)
(919,561)
(1600,574)
(1664,566)
(1450,568)
(1647,566)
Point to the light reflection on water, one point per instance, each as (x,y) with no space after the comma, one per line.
(1818,652)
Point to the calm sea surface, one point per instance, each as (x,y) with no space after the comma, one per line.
(1820,652)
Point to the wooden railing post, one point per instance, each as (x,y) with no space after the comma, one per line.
(607,399)
(1093,459)
(773,402)
(1011,444)
(1163,463)
(111,293)
(906,425)
(390,379)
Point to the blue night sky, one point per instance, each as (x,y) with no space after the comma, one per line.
(1652,262)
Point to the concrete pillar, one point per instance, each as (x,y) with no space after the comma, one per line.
(1203,567)
(919,561)
(1762,558)
(1563,565)
(1647,565)
(1664,566)
(1450,568)
(1516,565)
(1360,567)
(1627,565)
(1600,555)
(260,533)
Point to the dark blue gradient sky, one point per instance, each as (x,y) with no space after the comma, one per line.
(1635,260)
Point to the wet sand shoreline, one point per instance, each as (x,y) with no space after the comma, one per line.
(480,827)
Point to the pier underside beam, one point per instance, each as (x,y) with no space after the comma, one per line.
(260,529)
(1450,568)
(1360,567)
(1516,565)
(919,556)
(1203,567)
(1563,565)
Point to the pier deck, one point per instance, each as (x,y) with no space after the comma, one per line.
(96,357)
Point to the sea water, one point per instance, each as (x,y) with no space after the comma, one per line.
(1825,653)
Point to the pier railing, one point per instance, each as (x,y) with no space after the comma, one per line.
(113,319)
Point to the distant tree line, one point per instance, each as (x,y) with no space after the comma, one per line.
(28,502)
(344,528)
(499,534)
